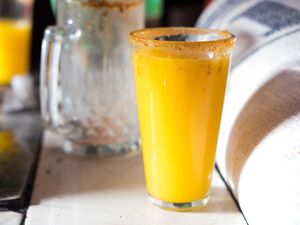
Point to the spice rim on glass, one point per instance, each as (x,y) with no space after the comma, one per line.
(180,77)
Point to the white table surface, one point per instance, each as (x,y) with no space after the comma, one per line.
(10,218)
(110,191)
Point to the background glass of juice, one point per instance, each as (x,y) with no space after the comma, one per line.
(15,38)
(180,77)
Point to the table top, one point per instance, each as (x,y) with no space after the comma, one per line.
(88,191)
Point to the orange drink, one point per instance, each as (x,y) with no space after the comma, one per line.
(180,76)
(14,48)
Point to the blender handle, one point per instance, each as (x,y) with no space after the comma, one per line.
(50,90)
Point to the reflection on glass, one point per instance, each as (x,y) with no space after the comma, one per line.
(19,138)
(7,139)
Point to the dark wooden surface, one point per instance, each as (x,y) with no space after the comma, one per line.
(18,160)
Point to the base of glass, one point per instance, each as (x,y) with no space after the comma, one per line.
(76,149)
(183,206)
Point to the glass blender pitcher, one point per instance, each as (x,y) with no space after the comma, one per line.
(87,87)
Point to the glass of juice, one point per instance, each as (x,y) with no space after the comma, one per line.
(180,78)
(15,37)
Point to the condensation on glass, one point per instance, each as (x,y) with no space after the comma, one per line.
(87,86)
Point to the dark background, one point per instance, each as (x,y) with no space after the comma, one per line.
(42,17)
(176,13)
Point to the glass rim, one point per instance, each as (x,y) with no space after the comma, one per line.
(101,3)
(145,37)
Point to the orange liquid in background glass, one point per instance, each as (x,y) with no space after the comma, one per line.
(180,103)
(14,48)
